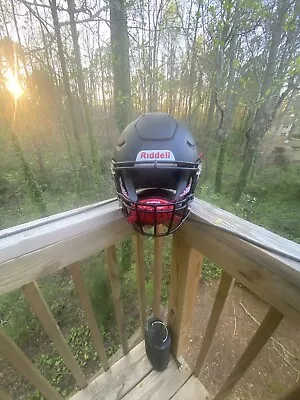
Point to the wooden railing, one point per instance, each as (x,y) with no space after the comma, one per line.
(37,249)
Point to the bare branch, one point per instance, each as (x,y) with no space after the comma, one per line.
(28,3)
(45,23)
(93,18)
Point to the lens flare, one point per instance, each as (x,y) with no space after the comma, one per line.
(12,84)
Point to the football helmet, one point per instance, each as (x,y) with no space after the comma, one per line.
(156,166)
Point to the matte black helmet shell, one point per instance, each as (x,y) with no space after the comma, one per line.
(156,165)
(156,131)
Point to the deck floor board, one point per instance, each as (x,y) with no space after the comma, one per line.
(132,378)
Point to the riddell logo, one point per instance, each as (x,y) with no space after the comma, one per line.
(155,155)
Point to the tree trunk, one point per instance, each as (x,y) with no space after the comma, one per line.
(34,189)
(66,81)
(227,117)
(80,81)
(220,166)
(262,117)
(5,23)
(120,62)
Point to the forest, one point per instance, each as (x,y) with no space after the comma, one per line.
(74,73)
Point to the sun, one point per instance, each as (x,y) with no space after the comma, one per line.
(12,84)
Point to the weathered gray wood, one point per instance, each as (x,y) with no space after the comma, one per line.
(157,272)
(59,241)
(161,385)
(261,336)
(4,395)
(89,313)
(116,294)
(42,311)
(10,351)
(202,211)
(225,287)
(133,341)
(285,267)
(192,390)
(293,394)
(22,228)
(253,267)
(184,284)
(120,379)
(140,277)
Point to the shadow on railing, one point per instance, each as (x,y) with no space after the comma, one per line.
(243,250)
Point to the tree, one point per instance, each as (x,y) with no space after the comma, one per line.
(80,80)
(120,62)
(65,76)
(276,83)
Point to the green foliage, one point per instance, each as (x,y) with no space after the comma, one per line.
(53,367)
(16,317)
(210,270)
(277,200)
(98,285)
(272,203)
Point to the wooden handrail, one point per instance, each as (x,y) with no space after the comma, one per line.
(244,251)
(274,278)
(35,250)
(43,247)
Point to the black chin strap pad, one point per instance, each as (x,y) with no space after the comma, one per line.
(183,182)
(129,186)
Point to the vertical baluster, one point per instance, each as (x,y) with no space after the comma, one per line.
(140,276)
(157,272)
(225,287)
(89,313)
(42,311)
(260,338)
(10,351)
(184,285)
(115,283)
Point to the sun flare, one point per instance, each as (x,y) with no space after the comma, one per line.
(12,83)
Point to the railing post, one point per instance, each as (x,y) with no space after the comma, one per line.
(157,273)
(115,283)
(89,313)
(42,311)
(138,241)
(184,282)
(10,351)
(224,290)
(259,339)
